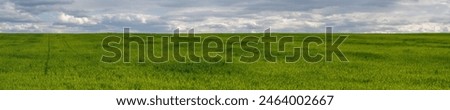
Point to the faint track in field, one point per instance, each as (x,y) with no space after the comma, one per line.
(48,56)
(68,46)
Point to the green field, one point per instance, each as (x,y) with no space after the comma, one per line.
(376,61)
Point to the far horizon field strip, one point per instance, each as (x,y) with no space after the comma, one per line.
(376,61)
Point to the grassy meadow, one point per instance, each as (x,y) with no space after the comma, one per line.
(376,61)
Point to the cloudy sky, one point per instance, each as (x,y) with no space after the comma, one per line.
(224,15)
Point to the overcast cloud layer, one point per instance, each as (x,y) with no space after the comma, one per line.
(224,15)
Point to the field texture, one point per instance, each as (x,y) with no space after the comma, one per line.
(376,61)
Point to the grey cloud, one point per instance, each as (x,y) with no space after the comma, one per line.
(34,3)
(197,3)
(228,15)
(40,6)
(28,10)
(323,6)
(10,13)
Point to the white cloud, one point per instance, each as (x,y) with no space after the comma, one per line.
(128,18)
(64,18)
(424,27)
(20,27)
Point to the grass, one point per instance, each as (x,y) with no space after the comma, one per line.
(377,61)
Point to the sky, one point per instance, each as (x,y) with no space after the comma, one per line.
(225,16)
